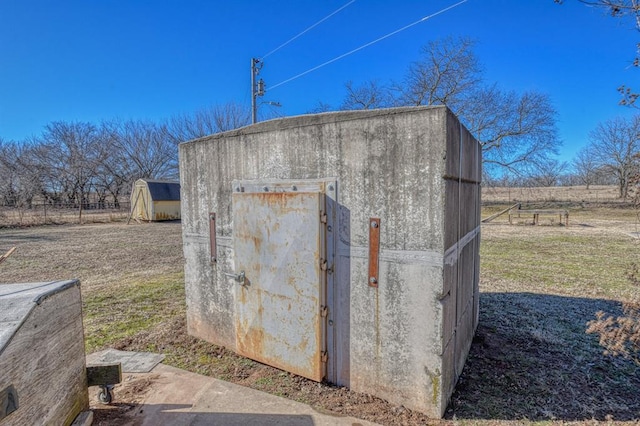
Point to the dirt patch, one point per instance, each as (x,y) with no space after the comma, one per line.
(128,397)
(97,254)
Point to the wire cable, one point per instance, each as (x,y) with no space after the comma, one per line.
(308,29)
(368,44)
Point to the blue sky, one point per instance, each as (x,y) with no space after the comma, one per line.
(93,60)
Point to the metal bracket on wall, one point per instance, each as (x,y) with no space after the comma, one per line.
(374,250)
(212,237)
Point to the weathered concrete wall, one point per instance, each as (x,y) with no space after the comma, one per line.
(42,353)
(405,341)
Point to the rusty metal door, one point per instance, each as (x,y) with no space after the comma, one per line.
(278,240)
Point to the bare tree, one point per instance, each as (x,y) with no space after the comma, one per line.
(624,9)
(549,173)
(221,118)
(586,167)
(320,108)
(30,173)
(147,150)
(516,130)
(68,154)
(617,8)
(207,121)
(616,146)
(7,172)
(19,181)
(369,95)
(116,172)
(447,72)
(621,9)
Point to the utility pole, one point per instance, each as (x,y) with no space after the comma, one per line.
(257,88)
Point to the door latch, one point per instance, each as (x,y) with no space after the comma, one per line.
(240,278)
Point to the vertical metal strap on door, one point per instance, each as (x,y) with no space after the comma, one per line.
(212,237)
(374,250)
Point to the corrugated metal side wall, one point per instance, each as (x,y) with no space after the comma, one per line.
(462,244)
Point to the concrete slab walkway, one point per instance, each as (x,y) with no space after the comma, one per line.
(176,397)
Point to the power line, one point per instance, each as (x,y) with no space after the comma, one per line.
(368,44)
(308,29)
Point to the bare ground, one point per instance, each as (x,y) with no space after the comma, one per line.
(98,254)
(130,395)
(531,359)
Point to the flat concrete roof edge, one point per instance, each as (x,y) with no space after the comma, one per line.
(9,329)
(49,288)
(306,120)
(61,286)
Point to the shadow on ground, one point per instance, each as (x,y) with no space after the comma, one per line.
(176,414)
(531,359)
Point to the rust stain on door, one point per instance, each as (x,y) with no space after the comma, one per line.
(279,241)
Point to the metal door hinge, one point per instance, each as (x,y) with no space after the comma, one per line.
(323,217)
(324,357)
(323,264)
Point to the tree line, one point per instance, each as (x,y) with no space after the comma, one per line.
(71,161)
(611,157)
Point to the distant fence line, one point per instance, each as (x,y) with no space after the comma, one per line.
(59,205)
(595,194)
(61,212)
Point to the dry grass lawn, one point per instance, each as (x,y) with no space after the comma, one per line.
(531,360)
(540,286)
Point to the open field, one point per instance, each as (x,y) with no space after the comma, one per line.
(531,360)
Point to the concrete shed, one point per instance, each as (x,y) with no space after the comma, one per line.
(340,247)
(43,378)
(155,200)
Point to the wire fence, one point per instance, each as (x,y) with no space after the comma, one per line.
(62,213)
(596,194)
